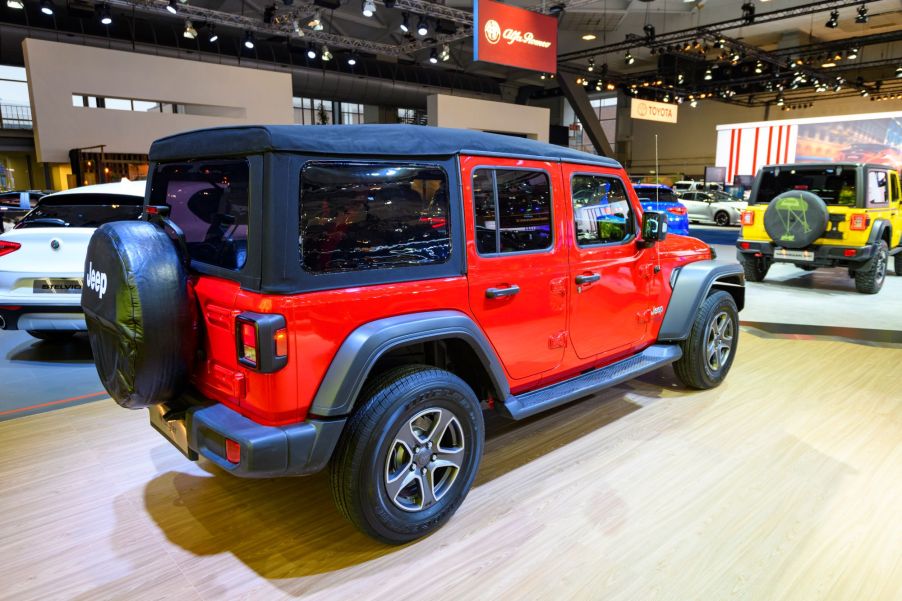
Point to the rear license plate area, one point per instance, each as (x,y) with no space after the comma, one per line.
(785,254)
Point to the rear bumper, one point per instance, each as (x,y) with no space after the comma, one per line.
(824,256)
(265,451)
(40,317)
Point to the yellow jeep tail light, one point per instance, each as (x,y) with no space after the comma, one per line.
(859,222)
(748,218)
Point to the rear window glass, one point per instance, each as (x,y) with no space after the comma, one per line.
(208,200)
(835,185)
(656,194)
(83,210)
(681,186)
(360,216)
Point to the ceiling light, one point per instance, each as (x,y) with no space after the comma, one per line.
(828,64)
(899,72)
(864,92)
(833,21)
(422,27)
(853,54)
(780,100)
(16,4)
(327,56)
(369,8)
(589,36)
(433,56)
(172,7)
(311,52)
(610,86)
(405,25)
(213,35)
(105,17)
(709,75)
(190,32)
(47,7)
(598,86)
(591,66)
(249,40)
(862,17)
(542,77)
(693,103)
(629,59)
(445,55)
(352,60)
(759,67)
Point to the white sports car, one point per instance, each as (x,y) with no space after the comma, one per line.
(713,207)
(42,260)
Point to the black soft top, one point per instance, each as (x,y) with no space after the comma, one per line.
(360,140)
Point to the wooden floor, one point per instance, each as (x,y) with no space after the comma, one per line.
(784,483)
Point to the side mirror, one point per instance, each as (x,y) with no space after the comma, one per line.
(654,227)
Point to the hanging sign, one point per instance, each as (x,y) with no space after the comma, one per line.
(653,111)
(514,37)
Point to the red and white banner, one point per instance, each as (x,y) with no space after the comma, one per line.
(743,149)
(514,37)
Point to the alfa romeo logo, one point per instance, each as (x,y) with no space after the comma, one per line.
(492,31)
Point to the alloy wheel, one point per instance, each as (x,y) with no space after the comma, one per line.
(719,342)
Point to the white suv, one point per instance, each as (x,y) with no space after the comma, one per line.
(42,259)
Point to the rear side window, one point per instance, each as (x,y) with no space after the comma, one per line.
(360,216)
(512,210)
(878,189)
(209,202)
(82,210)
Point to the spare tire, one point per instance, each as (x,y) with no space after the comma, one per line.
(796,218)
(141,313)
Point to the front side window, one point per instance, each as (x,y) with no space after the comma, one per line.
(512,210)
(359,216)
(208,200)
(878,190)
(601,210)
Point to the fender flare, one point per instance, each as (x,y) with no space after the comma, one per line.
(881,225)
(690,289)
(365,345)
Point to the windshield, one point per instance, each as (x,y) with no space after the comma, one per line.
(656,194)
(82,210)
(682,185)
(835,185)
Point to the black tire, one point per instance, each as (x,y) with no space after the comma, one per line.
(52,335)
(141,313)
(869,277)
(755,268)
(796,218)
(695,368)
(721,218)
(370,451)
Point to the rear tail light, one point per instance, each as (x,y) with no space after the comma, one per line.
(677,210)
(262,341)
(233,451)
(7,247)
(859,222)
(745,245)
(849,252)
(748,218)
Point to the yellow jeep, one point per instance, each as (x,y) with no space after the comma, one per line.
(824,215)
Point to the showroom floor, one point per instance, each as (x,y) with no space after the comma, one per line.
(783,483)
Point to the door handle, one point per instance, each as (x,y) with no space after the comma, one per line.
(501,292)
(587,279)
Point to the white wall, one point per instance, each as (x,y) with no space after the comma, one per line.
(690,145)
(221,95)
(484,115)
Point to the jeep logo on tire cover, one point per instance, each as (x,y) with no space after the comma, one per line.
(95,280)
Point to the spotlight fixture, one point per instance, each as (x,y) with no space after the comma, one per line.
(269,14)
(629,59)
(598,86)
(311,52)
(316,23)
(680,78)
(833,21)
(693,103)
(249,40)
(369,8)
(405,22)
(16,4)
(709,75)
(591,66)
(433,56)
(863,93)
(445,54)
(47,7)
(748,13)
(759,67)
(542,77)
(422,27)
(720,43)
(649,30)
(852,54)
(213,35)
(862,17)
(828,64)
(173,6)
(899,72)
(352,60)
(588,37)
(105,17)
(327,56)
(780,100)
(189,32)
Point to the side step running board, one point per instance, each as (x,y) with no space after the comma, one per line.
(530,403)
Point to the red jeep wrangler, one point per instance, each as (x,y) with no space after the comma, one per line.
(298,296)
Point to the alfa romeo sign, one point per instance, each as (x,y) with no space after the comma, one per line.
(515,37)
(653,111)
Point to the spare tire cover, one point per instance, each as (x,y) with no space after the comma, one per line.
(140,312)
(796,218)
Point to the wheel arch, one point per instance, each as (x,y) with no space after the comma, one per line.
(378,345)
(691,287)
(881,230)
